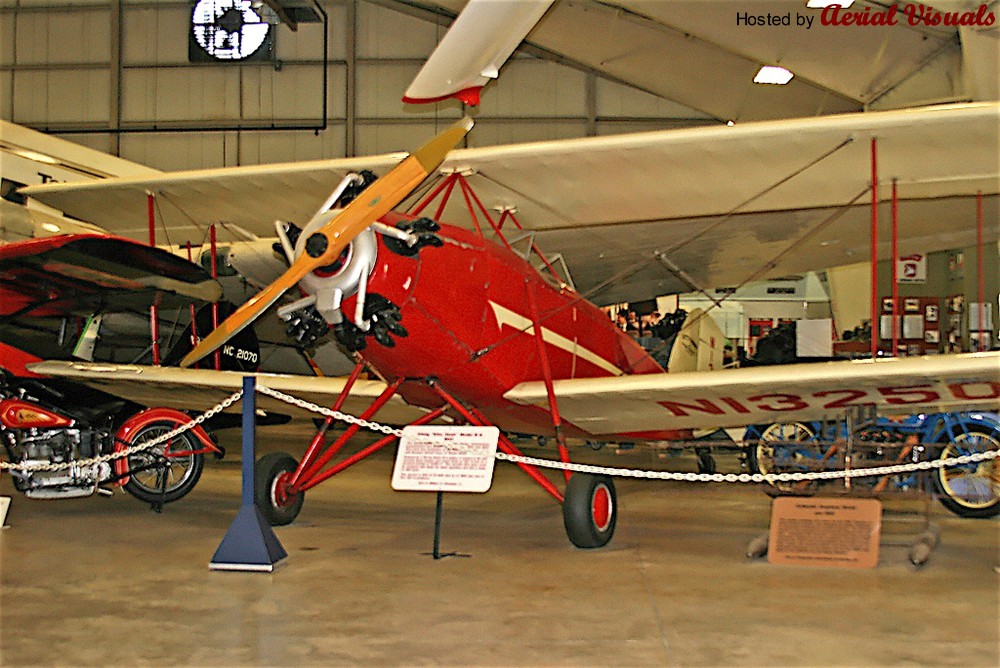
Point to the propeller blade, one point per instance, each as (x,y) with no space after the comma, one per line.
(326,244)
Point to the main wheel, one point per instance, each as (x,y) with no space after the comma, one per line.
(158,475)
(590,510)
(279,504)
(970,490)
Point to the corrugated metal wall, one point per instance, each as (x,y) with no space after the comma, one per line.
(116,76)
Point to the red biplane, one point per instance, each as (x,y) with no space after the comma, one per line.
(464,327)
(459,324)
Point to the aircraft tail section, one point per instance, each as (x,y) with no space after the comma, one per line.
(698,346)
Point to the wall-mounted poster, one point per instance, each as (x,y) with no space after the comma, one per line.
(979,341)
(911,304)
(913,327)
(932,336)
(931,313)
(912,269)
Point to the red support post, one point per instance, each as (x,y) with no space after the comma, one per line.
(449,183)
(895,270)
(154,320)
(194,324)
(874,252)
(475,418)
(217,355)
(305,475)
(367,452)
(980,279)
(317,441)
(151,217)
(547,375)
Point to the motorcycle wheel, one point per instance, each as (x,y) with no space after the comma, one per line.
(777,451)
(156,475)
(972,490)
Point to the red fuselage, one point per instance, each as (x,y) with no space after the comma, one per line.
(467,308)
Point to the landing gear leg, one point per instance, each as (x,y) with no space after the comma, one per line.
(706,462)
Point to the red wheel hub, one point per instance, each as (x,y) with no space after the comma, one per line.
(283,491)
(600,507)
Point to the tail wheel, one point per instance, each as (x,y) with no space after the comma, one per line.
(158,475)
(590,510)
(970,490)
(276,499)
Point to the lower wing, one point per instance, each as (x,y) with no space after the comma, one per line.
(737,397)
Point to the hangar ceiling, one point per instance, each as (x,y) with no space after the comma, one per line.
(689,51)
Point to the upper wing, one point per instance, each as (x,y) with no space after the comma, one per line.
(714,205)
(244,201)
(201,389)
(721,205)
(737,397)
(81,273)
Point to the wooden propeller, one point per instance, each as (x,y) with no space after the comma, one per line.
(325,245)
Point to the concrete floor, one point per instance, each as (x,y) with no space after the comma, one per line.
(105,581)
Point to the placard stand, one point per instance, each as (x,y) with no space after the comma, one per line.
(445,458)
(437,532)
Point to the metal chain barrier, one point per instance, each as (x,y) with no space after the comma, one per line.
(532,461)
(660,475)
(336,415)
(146,445)
(753,477)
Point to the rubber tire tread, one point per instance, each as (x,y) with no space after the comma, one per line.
(577,519)
(958,507)
(266,470)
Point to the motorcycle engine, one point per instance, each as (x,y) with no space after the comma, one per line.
(38,447)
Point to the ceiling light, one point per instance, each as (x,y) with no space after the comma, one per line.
(772,74)
(50,227)
(820,4)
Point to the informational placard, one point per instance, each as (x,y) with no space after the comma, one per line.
(839,532)
(445,459)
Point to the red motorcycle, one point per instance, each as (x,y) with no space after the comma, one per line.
(59,438)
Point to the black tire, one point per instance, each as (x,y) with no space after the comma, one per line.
(150,468)
(972,490)
(279,505)
(590,510)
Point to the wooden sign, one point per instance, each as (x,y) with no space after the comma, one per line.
(838,532)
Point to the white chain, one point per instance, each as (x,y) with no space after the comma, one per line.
(660,475)
(336,415)
(770,478)
(145,445)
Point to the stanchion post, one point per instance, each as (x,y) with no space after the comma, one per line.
(250,543)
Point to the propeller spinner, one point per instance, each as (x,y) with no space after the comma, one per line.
(325,244)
